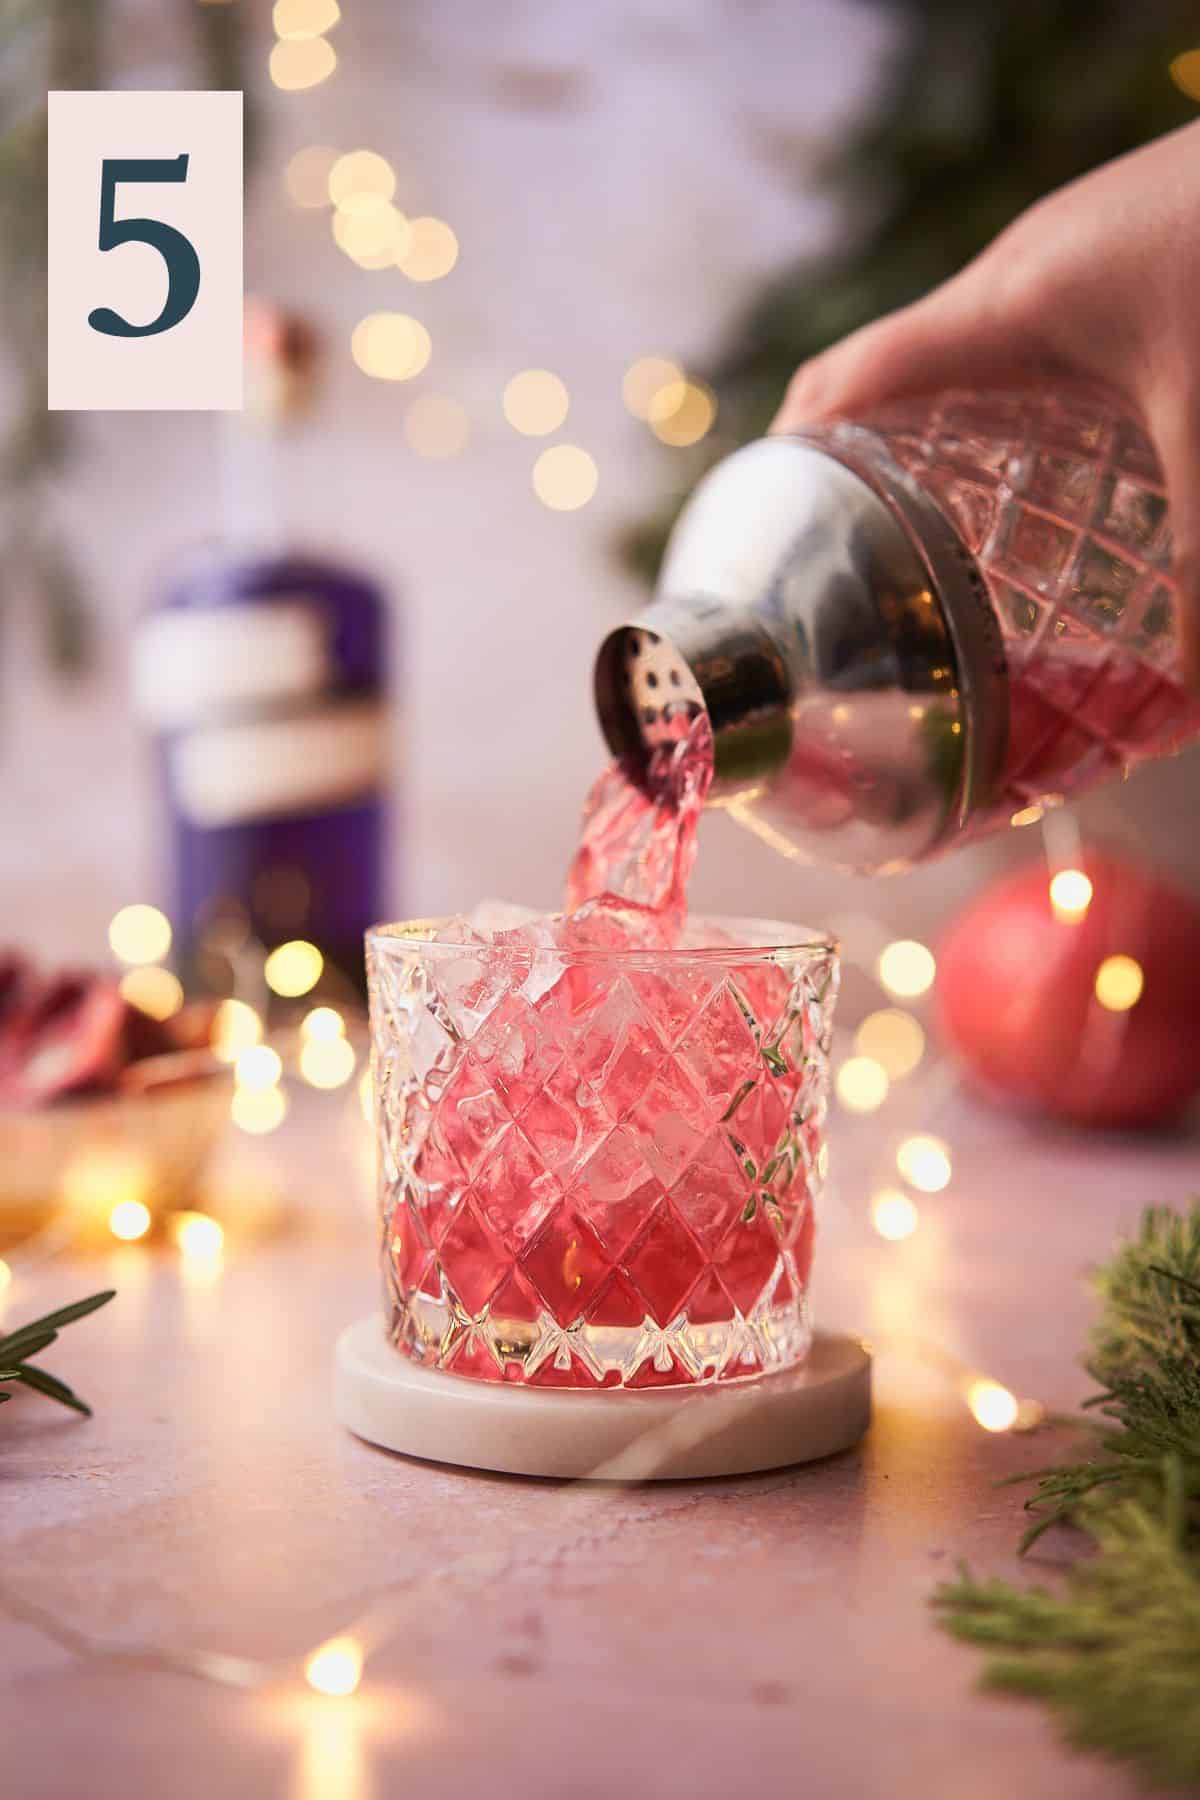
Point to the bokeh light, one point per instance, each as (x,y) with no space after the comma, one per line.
(1028,815)
(430,250)
(366,1097)
(335,1668)
(862,1084)
(895,1040)
(258,1111)
(682,412)
(361,182)
(293,968)
(101,1176)
(564,478)
(535,402)
(1070,895)
(894,1215)
(1119,983)
(139,934)
(258,1068)
(371,239)
(436,426)
(235,1027)
(153,990)
(992,1405)
(323,1022)
(1185,73)
(390,346)
(198,1234)
(925,1162)
(306,177)
(304,18)
(297,63)
(129,1220)
(645,379)
(327,1062)
(907,968)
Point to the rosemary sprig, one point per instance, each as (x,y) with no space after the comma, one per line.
(30,1340)
(1116,1653)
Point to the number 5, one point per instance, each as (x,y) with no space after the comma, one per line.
(183,265)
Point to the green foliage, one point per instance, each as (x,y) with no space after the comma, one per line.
(983,110)
(1116,1653)
(17,1349)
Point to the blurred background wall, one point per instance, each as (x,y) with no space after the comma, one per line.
(622,179)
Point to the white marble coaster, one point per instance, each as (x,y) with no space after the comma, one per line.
(653,1434)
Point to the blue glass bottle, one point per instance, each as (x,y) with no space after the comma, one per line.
(261,672)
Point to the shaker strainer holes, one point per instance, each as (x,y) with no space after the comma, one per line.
(649,715)
(651,678)
(674,677)
(634,647)
(653,637)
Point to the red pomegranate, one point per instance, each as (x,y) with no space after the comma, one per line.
(1019,1002)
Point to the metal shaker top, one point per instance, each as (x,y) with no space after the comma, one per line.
(821,608)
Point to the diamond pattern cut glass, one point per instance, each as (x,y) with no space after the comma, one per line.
(1062,501)
(598,1168)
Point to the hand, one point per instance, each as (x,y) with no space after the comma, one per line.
(1099,282)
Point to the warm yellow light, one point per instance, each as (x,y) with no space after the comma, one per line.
(681,412)
(1185,73)
(390,346)
(1028,815)
(258,1111)
(366,1097)
(198,1235)
(235,1027)
(894,1038)
(862,1084)
(323,1022)
(140,934)
(993,1406)
(907,969)
(129,1219)
(335,1668)
(894,1215)
(258,1068)
(6,1275)
(436,426)
(925,1162)
(361,182)
(100,1178)
(293,969)
(430,252)
(1119,983)
(1070,895)
(535,402)
(153,990)
(306,177)
(327,1062)
(371,238)
(304,18)
(646,378)
(297,63)
(564,478)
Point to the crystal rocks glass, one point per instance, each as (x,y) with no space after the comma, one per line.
(598,1167)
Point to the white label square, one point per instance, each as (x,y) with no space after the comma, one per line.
(145,252)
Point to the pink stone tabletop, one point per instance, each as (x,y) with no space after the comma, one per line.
(766,1634)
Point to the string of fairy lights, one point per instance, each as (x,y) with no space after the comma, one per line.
(890,1044)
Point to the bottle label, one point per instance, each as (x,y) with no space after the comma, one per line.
(191,667)
(230,774)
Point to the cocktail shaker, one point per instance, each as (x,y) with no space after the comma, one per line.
(914,629)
